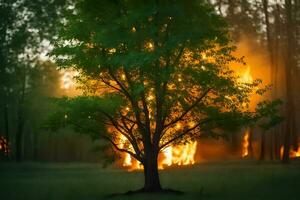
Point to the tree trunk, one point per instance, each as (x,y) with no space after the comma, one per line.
(271,145)
(269,37)
(276,83)
(152,182)
(294,134)
(263,146)
(277,143)
(19,137)
(250,148)
(286,145)
(19,145)
(6,123)
(289,84)
(35,146)
(270,47)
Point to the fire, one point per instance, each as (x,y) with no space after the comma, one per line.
(173,155)
(293,153)
(245,150)
(128,161)
(179,155)
(4,146)
(246,77)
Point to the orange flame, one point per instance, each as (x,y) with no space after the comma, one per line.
(172,155)
(246,77)
(292,154)
(179,155)
(245,150)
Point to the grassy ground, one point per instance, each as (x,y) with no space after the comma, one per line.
(234,180)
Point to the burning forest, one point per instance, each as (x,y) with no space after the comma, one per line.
(198,98)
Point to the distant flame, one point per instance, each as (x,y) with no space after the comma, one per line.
(246,77)
(292,154)
(4,146)
(245,145)
(179,155)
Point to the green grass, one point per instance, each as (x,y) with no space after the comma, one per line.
(227,180)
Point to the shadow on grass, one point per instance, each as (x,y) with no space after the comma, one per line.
(142,191)
(163,192)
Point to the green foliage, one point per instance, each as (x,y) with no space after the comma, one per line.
(169,61)
(25,28)
(268,114)
(84,114)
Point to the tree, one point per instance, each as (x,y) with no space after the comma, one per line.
(290,75)
(154,72)
(44,83)
(24,26)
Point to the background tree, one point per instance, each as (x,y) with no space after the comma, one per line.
(272,25)
(25,26)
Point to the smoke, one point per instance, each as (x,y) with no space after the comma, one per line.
(257,62)
(256,57)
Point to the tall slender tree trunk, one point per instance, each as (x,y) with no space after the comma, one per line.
(20,115)
(250,148)
(277,52)
(289,78)
(152,181)
(277,143)
(6,121)
(262,146)
(294,134)
(271,59)
(35,146)
(269,37)
(287,142)
(272,143)
(19,138)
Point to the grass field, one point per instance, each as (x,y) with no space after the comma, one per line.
(228,180)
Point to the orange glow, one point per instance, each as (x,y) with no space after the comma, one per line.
(171,156)
(4,146)
(127,159)
(245,146)
(150,46)
(293,153)
(179,155)
(68,83)
(246,77)
(67,79)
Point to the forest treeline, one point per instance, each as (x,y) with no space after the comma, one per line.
(28,78)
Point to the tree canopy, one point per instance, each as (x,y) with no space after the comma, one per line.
(155,72)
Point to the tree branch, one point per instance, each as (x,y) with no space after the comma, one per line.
(184,133)
(137,157)
(188,110)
